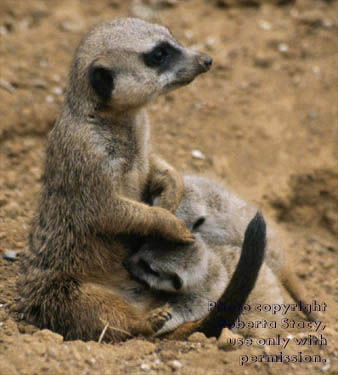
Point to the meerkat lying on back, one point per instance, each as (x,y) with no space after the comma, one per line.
(200,277)
(196,274)
(99,167)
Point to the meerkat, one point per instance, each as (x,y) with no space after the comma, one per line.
(99,168)
(197,274)
(201,276)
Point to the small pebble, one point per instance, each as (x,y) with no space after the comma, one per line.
(265,25)
(326,367)
(328,23)
(56,78)
(294,13)
(167,355)
(198,154)
(49,99)
(47,335)
(3,31)
(197,337)
(71,25)
(316,69)
(10,255)
(225,340)
(283,47)
(24,25)
(210,42)
(39,83)
(7,85)
(57,90)
(43,63)
(175,364)
(157,362)
(263,60)
(189,34)
(145,367)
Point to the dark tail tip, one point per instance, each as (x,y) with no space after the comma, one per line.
(242,281)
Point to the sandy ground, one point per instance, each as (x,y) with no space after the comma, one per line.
(264,119)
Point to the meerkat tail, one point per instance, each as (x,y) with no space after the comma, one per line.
(229,306)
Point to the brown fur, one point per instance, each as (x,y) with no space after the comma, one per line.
(99,167)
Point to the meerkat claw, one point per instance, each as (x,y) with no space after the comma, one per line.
(159,317)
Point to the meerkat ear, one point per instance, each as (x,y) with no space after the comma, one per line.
(101,79)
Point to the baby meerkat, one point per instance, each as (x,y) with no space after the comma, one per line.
(201,277)
(99,168)
(196,274)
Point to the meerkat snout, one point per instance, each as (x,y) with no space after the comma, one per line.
(205,62)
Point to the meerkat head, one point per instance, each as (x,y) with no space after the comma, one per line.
(123,64)
(213,215)
(169,267)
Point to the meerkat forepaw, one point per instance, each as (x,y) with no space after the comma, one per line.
(170,227)
(181,233)
(186,238)
(159,317)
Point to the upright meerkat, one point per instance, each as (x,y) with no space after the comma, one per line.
(196,274)
(99,167)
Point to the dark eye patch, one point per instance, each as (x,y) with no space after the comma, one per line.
(198,223)
(147,268)
(162,57)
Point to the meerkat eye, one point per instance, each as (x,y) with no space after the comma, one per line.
(198,223)
(161,56)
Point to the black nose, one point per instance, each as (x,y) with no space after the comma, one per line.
(208,62)
(205,62)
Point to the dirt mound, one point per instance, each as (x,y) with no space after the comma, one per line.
(312,202)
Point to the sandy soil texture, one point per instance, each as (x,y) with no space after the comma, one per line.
(264,120)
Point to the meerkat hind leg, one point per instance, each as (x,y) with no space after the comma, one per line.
(295,289)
